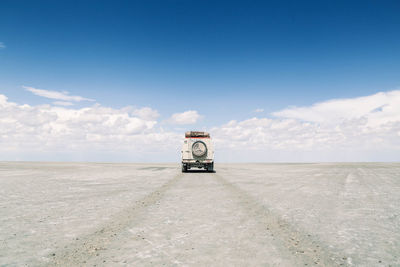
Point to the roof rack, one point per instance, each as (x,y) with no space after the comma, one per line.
(196,134)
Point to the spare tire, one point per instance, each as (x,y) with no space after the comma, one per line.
(199,149)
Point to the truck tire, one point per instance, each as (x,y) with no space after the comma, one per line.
(210,167)
(184,168)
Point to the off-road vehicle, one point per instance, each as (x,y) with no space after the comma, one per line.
(197,151)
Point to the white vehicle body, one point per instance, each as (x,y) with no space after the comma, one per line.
(197,151)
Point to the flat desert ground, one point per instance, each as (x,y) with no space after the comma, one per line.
(87,214)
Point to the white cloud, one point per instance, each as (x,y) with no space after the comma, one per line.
(363,128)
(64,96)
(63,103)
(187,117)
(37,130)
(259,110)
(2,45)
(146,113)
(268,139)
(377,109)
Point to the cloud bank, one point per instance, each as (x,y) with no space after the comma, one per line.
(356,129)
(52,130)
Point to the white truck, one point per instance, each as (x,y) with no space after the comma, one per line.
(197,151)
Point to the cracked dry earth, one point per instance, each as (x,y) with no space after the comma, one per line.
(92,214)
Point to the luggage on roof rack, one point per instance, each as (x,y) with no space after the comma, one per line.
(196,134)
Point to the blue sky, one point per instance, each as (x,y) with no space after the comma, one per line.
(222,59)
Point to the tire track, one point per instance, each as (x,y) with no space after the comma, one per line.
(306,251)
(87,247)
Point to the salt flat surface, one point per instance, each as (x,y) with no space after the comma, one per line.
(85,214)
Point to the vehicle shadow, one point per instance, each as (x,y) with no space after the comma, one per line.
(199,171)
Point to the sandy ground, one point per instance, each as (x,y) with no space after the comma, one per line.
(86,214)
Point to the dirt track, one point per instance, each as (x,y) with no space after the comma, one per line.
(74,214)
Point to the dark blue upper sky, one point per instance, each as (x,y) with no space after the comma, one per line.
(235,56)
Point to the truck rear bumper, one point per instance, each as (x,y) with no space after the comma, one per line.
(192,163)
